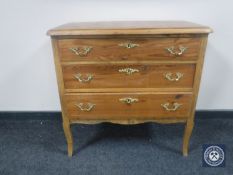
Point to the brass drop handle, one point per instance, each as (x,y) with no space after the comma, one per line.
(175,52)
(128,100)
(169,76)
(128,70)
(128,45)
(81,51)
(88,107)
(83,80)
(171,107)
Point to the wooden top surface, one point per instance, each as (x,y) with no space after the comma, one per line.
(129,27)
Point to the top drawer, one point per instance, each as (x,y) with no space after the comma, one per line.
(129,49)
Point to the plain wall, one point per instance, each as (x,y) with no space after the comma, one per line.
(27,73)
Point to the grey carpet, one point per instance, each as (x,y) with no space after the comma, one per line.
(34,147)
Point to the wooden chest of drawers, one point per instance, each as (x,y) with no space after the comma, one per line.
(129,72)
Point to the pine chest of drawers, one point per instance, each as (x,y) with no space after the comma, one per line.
(129,72)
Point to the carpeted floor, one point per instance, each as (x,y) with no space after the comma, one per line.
(38,147)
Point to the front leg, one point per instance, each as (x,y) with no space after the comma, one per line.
(187,134)
(69,137)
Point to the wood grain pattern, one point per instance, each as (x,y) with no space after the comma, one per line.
(148,49)
(129,27)
(190,122)
(65,119)
(108,106)
(108,76)
(147,86)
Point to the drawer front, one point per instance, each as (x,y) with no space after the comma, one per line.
(128,76)
(127,106)
(129,49)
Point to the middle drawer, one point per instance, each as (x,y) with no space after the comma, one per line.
(128,76)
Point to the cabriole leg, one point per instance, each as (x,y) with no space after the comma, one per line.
(69,137)
(187,134)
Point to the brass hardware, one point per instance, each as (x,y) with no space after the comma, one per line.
(129,45)
(82,80)
(169,76)
(88,107)
(128,71)
(179,52)
(174,108)
(81,51)
(128,100)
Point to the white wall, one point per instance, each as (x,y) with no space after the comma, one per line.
(27,74)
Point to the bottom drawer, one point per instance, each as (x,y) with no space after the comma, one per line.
(116,106)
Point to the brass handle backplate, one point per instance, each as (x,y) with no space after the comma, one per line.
(128,71)
(128,100)
(81,51)
(169,76)
(129,45)
(171,107)
(88,107)
(175,52)
(83,80)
